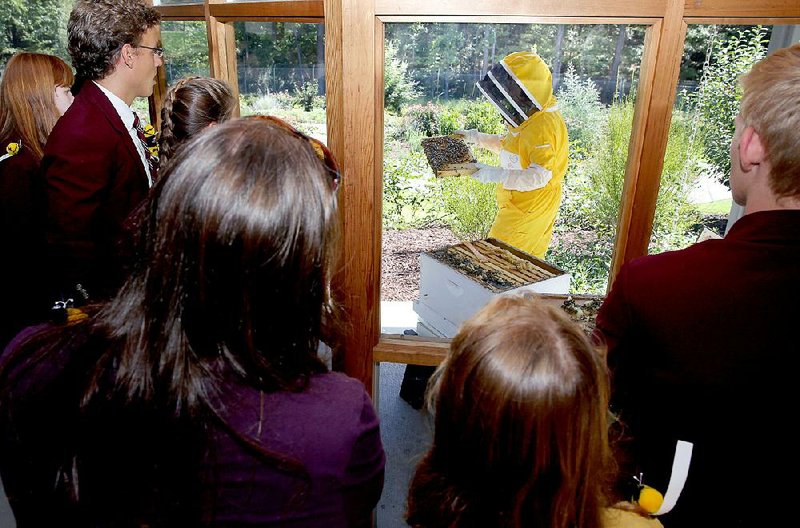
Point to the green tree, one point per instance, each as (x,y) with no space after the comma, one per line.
(717,98)
(39,26)
(399,88)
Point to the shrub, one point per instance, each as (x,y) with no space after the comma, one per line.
(268,103)
(423,119)
(449,120)
(399,89)
(306,97)
(584,114)
(408,198)
(482,116)
(470,206)
(717,98)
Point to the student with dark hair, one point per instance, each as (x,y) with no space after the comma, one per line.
(34,93)
(521,431)
(96,166)
(196,397)
(191,105)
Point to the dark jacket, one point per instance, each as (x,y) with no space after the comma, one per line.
(138,464)
(94,179)
(22,297)
(703,347)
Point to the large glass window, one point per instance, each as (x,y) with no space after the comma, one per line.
(694,198)
(185,49)
(281,68)
(430,75)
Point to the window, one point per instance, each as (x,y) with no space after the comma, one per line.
(281,69)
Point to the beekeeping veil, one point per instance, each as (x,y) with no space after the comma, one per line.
(518,86)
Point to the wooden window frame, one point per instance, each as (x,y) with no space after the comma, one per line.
(354,36)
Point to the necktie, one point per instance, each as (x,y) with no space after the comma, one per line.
(152,161)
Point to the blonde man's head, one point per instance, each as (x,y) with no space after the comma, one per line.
(771,105)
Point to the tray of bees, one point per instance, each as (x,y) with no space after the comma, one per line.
(448,156)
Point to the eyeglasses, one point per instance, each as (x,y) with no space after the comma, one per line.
(158,52)
(322,152)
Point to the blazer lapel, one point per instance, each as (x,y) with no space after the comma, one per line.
(99,99)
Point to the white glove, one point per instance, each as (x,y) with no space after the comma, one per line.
(489,174)
(513,180)
(487,141)
(470,136)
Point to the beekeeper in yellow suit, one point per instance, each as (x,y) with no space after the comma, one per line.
(533,154)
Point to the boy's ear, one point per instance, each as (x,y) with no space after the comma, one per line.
(751,149)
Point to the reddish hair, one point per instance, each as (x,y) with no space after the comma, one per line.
(28,110)
(521,433)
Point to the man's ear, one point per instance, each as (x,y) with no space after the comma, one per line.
(126,55)
(751,149)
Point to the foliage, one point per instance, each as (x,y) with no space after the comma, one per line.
(482,116)
(271,103)
(306,97)
(279,56)
(450,120)
(186,48)
(408,199)
(717,99)
(399,89)
(446,59)
(39,26)
(470,205)
(423,118)
(683,164)
(579,102)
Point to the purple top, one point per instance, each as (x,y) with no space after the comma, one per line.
(330,427)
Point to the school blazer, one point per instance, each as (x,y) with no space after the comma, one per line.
(93,179)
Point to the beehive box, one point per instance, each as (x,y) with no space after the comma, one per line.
(455,282)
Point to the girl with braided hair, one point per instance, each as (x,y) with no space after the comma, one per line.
(191,105)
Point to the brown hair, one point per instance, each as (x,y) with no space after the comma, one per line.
(521,433)
(232,284)
(28,110)
(771,105)
(98,29)
(190,105)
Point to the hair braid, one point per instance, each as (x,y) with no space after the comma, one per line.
(166,139)
(190,106)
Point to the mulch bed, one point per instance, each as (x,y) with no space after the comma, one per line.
(400,259)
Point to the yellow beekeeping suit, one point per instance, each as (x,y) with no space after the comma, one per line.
(539,145)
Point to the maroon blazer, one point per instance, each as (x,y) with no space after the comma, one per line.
(703,347)
(94,179)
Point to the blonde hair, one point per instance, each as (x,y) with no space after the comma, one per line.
(28,110)
(521,431)
(771,105)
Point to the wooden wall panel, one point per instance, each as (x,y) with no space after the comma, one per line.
(742,8)
(352,136)
(222,51)
(633,8)
(291,9)
(658,84)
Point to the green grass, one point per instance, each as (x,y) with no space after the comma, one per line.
(718,207)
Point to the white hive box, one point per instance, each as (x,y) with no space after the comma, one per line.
(450,293)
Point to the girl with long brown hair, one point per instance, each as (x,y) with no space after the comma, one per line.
(196,397)
(34,93)
(191,105)
(521,430)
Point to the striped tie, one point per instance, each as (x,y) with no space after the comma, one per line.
(152,161)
